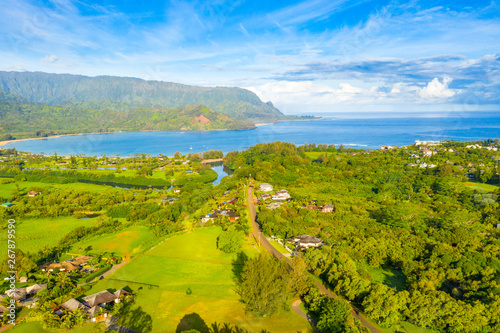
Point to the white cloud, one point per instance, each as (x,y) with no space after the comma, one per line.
(437,90)
(50,59)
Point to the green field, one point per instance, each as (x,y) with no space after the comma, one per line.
(482,187)
(192,261)
(314,155)
(36,327)
(33,235)
(127,241)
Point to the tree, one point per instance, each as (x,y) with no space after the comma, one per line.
(333,316)
(230,241)
(264,285)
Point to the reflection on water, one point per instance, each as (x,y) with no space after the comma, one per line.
(222,171)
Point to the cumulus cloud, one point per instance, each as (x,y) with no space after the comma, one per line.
(436,90)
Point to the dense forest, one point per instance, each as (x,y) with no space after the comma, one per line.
(426,217)
(127,94)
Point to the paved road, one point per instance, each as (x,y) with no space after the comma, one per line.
(269,248)
(297,310)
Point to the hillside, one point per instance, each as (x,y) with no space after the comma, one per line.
(126,94)
(23,119)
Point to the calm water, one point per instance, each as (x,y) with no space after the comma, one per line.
(353,130)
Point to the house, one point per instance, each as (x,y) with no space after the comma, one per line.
(34,289)
(312,207)
(265,187)
(168,200)
(265,196)
(411,164)
(227,192)
(99,299)
(189,172)
(177,190)
(219,213)
(18,294)
(23,279)
(63,266)
(428,152)
(274,205)
(33,194)
(306,241)
(431,166)
(386,147)
(7,204)
(327,208)
(73,304)
(281,195)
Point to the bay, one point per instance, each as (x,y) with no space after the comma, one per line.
(357,130)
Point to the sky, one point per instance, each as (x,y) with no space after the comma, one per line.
(304,56)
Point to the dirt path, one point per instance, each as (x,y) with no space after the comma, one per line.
(269,248)
(297,310)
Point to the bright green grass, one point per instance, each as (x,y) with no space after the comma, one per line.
(36,327)
(482,187)
(390,277)
(278,247)
(315,154)
(192,261)
(33,234)
(127,241)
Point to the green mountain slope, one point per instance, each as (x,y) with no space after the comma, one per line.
(22,119)
(125,94)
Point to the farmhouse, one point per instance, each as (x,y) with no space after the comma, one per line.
(218,213)
(306,241)
(265,187)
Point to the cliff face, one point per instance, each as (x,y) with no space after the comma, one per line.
(126,94)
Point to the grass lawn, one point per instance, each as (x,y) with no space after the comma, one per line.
(388,276)
(278,246)
(127,241)
(482,187)
(33,234)
(36,327)
(315,154)
(191,260)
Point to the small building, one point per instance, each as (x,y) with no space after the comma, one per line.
(306,241)
(73,304)
(7,204)
(18,294)
(281,195)
(265,196)
(327,208)
(177,190)
(189,172)
(386,147)
(23,279)
(34,289)
(120,294)
(99,299)
(33,194)
(265,187)
(220,213)
(274,205)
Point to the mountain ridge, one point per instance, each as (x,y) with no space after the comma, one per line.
(127,93)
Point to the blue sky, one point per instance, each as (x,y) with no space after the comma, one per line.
(304,56)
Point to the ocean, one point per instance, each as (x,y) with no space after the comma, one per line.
(357,130)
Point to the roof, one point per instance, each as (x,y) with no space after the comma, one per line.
(99,298)
(73,304)
(120,292)
(35,288)
(91,311)
(7,204)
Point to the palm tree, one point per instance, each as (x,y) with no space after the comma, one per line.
(63,279)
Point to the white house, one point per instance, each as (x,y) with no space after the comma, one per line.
(266,187)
